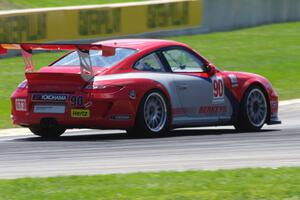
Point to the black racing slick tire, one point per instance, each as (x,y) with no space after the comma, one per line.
(253,110)
(153,115)
(47,132)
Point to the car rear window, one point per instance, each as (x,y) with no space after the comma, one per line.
(97,59)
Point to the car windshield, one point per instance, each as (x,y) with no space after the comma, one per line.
(97,59)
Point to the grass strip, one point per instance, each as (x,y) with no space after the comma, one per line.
(240,184)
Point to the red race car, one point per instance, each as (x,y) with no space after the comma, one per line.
(144,86)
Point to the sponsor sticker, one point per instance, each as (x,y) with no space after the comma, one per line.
(55,109)
(76,101)
(80,113)
(212,109)
(233,79)
(50,97)
(218,89)
(20,104)
(120,117)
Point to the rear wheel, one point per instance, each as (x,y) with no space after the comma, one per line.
(47,132)
(152,116)
(253,110)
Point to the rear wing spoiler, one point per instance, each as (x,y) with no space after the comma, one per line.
(86,69)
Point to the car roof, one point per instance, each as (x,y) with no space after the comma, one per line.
(139,44)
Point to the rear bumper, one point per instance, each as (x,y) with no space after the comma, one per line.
(105,112)
(71,123)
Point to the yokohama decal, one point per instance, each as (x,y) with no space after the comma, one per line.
(50,97)
(218,89)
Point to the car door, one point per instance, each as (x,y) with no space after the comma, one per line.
(199,99)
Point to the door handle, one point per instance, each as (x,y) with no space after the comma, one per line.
(183,86)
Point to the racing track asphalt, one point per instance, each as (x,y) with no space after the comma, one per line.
(93,152)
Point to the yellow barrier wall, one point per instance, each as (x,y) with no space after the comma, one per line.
(99,21)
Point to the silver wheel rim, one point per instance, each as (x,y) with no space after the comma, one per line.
(155,112)
(256,108)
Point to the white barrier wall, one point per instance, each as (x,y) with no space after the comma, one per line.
(233,14)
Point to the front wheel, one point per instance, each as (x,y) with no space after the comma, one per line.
(152,116)
(253,110)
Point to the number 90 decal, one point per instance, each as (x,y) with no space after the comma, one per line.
(76,101)
(218,89)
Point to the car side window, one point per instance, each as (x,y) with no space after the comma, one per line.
(150,62)
(181,60)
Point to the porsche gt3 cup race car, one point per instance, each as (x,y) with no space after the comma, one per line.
(144,86)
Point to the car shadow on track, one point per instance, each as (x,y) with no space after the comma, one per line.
(124,136)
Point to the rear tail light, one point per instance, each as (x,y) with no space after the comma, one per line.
(102,88)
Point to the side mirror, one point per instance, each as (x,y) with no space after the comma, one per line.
(211,69)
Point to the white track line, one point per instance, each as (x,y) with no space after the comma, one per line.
(289,102)
(66,8)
